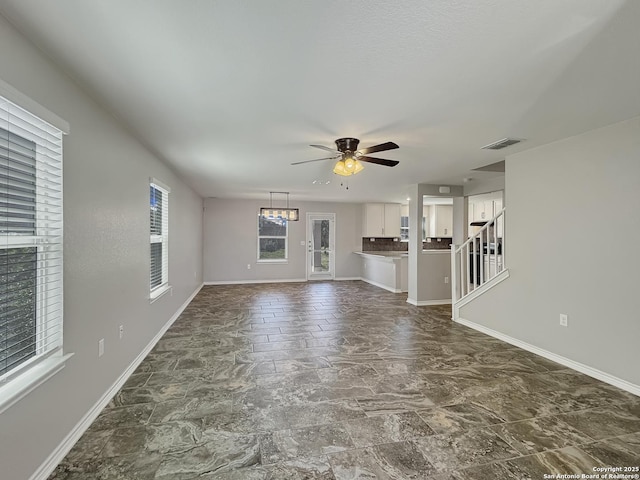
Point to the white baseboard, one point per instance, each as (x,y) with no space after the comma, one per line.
(424,303)
(243,282)
(580,367)
(343,279)
(381,285)
(49,465)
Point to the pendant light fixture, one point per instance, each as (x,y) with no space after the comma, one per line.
(289,214)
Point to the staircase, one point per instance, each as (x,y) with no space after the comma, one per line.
(478,264)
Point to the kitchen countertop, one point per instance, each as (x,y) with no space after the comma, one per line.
(385,254)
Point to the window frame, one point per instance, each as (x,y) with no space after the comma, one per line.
(163,239)
(22,117)
(285,237)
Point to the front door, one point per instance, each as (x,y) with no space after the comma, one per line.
(320,246)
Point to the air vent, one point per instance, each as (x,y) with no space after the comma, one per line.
(500,144)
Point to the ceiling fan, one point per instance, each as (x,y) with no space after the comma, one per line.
(351,158)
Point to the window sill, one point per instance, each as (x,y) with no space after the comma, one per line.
(156,294)
(35,376)
(272,261)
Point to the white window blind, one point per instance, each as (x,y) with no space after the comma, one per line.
(30,240)
(159,230)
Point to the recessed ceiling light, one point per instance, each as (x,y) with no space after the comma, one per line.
(408,199)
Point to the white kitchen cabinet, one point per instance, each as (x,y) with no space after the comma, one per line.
(392,219)
(440,221)
(381,220)
(482,211)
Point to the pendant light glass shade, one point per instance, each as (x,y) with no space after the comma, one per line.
(347,167)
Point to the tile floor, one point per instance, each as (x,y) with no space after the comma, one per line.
(343,380)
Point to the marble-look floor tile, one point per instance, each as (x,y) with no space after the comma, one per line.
(190,408)
(155,394)
(603,422)
(312,468)
(130,415)
(325,380)
(386,403)
(162,438)
(459,417)
(369,431)
(387,461)
(621,451)
(566,461)
(540,434)
(89,446)
(306,442)
(223,452)
(126,467)
(464,449)
(514,406)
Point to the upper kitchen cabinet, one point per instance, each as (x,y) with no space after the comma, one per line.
(482,208)
(441,221)
(381,220)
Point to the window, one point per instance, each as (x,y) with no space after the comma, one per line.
(404,229)
(159,230)
(272,239)
(30,249)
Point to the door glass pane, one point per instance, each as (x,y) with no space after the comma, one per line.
(321,250)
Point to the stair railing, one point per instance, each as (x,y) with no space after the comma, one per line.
(479,259)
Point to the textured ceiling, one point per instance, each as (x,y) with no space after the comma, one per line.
(231,92)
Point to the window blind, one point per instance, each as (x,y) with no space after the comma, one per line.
(30,240)
(159,230)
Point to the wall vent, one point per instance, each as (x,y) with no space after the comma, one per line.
(500,144)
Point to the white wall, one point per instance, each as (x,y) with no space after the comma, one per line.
(230,240)
(572,247)
(106,273)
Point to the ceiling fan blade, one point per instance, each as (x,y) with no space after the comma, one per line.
(378,148)
(317,159)
(379,161)
(328,149)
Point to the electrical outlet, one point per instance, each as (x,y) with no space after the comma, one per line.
(564,320)
(100,347)
(248,266)
(302,243)
(446,279)
(121,331)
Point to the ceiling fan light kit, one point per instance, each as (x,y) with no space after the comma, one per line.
(348,167)
(350,158)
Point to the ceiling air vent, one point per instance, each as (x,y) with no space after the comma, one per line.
(500,144)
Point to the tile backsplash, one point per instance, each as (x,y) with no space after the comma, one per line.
(443,244)
(395,245)
(384,245)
